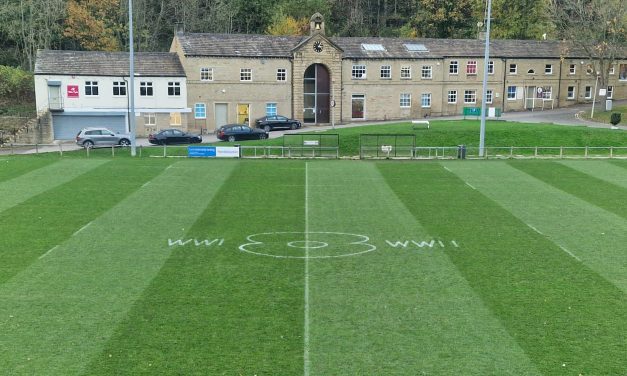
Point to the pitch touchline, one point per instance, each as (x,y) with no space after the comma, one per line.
(306,321)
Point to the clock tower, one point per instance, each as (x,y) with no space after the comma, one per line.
(316,24)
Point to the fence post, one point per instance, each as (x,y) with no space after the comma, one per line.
(61,149)
(511,152)
(36,148)
(536,153)
(87,151)
(561,152)
(586,152)
(140,150)
(11,148)
(611,152)
(112,151)
(164,154)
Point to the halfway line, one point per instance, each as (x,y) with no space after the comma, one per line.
(306,323)
(81,229)
(50,250)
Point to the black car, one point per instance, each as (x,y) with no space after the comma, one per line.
(174,136)
(235,132)
(269,123)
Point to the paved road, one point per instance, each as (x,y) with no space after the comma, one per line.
(561,116)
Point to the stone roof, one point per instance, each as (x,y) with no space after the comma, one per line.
(244,45)
(98,63)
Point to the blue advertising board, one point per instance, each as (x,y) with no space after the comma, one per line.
(201,151)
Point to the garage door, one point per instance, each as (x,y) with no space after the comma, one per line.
(67,126)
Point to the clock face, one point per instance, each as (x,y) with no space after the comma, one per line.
(317,46)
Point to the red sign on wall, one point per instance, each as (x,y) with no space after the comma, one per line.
(72,91)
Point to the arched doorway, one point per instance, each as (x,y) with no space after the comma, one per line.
(317,94)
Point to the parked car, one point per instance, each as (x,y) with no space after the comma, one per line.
(269,123)
(174,136)
(90,137)
(236,132)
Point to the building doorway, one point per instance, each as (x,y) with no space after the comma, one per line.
(317,94)
(243,109)
(221,114)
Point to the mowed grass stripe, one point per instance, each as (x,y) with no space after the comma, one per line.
(593,235)
(12,167)
(603,194)
(604,170)
(31,228)
(402,310)
(215,310)
(568,319)
(21,188)
(58,314)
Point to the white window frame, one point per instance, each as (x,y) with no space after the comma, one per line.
(246,74)
(386,72)
(511,92)
(610,92)
(571,93)
(405,100)
(405,72)
(425,100)
(588,92)
(548,68)
(281,74)
(120,86)
(612,69)
(491,67)
(470,96)
(174,89)
(452,97)
(175,119)
(206,74)
(358,72)
(197,107)
(471,67)
(150,119)
(622,72)
(90,88)
(453,67)
(426,72)
(271,105)
(146,89)
(572,69)
(489,96)
(513,68)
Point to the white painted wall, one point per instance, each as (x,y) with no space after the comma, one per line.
(105,100)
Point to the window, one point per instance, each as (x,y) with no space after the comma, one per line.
(281,74)
(622,72)
(245,74)
(452,96)
(416,48)
(358,106)
(425,100)
(119,88)
(572,69)
(427,72)
(359,72)
(610,92)
(200,111)
(405,100)
(588,92)
(547,92)
(531,71)
(453,67)
(513,69)
(589,69)
(611,69)
(571,92)
(548,69)
(206,74)
(91,88)
(489,95)
(271,109)
(175,118)
(490,67)
(145,89)
(174,89)
(386,71)
(470,96)
(471,67)
(511,92)
(405,72)
(150,118)
(372,47)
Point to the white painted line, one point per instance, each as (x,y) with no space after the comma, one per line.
(306,323)
(570,253)
(146,183)
(169,167)
(50,250)
(534,229)
(447,169)
(81,229)
(468,184)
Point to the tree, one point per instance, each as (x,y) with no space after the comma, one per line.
(94,24)
(596,27)
(522,19)
(289,26)
(445,19)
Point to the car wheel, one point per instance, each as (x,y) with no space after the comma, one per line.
(263,136)
(88,144)
(124,142)
(293,126)
(231,138)
(267,128)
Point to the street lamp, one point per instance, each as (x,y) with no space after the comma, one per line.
(594,95)
(485,81)
(131,78)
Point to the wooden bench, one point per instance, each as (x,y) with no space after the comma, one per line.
(416,123)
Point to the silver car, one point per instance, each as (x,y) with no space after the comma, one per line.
(90,137)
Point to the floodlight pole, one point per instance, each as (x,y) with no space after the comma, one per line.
(131,80)
(485,81)
(594,96)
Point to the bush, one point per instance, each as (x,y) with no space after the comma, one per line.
(15,84)
(615,118)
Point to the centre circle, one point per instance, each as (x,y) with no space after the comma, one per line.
(304,244)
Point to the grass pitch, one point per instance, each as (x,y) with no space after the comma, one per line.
(209,267)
